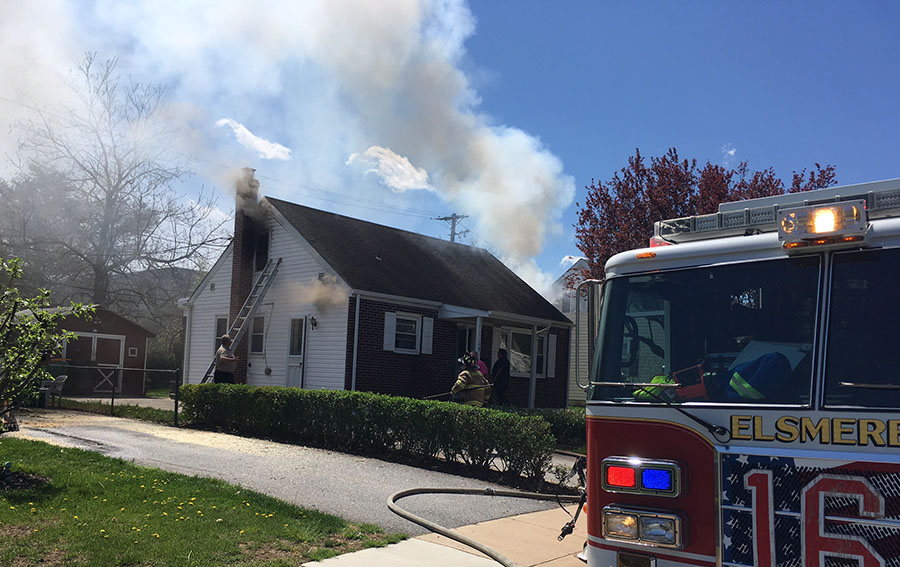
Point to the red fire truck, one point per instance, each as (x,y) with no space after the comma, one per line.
(745,387)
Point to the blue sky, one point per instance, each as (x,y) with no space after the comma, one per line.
(783,84)
(397,111)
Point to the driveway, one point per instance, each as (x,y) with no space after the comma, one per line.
(352,487)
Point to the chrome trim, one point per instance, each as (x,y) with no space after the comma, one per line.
(638,465)
(641,548)
(638,514)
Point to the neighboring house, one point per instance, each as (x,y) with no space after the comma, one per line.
(566,303)
(361,306)
(107,346)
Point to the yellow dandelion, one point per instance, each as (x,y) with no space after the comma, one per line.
(121,509)
(156,536)
(242,531)
(102,531)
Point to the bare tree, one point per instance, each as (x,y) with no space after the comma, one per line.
(94,200)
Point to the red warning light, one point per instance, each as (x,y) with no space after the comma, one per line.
(620,477)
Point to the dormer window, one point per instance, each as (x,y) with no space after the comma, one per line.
(260,250)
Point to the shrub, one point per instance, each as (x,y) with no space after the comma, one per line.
(366,423)
(567,425)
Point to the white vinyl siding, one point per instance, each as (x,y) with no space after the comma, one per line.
(286,299)
(210,304)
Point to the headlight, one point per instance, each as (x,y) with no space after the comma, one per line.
(619,525)
(645,527)
(656,529)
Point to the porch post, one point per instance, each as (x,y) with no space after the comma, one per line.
(478,336)
(532,384)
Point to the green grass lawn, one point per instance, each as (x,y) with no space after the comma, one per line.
(166,417)
(97,511)
(158,393)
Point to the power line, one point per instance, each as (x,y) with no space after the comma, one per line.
(453,219)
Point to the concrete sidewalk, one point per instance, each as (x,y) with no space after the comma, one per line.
(528,540)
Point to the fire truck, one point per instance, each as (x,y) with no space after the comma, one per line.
(745,385)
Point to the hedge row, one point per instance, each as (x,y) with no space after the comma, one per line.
(365,423)
(567,425)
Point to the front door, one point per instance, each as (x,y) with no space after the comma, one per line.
(294,375)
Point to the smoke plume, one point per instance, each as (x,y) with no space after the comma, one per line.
(327,78)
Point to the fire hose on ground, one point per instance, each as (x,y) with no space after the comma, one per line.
(456,536)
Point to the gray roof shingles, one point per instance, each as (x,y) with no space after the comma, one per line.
(376,258)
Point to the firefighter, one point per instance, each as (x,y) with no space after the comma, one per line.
(471,384)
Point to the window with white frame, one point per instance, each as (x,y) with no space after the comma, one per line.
(517,343)
(257,335)
(408,333)
(465,339)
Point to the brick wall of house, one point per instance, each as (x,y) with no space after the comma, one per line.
(387,372)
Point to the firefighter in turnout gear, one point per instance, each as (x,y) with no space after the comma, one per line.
(471,384)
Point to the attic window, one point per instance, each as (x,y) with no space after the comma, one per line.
(261,250)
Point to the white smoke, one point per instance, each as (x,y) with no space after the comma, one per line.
(395,171)
(246,138)
(328,78)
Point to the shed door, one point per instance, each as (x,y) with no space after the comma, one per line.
(108,355)
(296,349)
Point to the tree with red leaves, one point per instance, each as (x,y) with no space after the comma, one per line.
(618,215)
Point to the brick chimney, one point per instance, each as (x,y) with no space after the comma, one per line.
(246,208)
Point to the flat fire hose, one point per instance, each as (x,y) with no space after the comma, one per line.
(454,535)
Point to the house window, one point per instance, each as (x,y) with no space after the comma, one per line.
(406,337)
(465,339)
(257,334)
(132,351)
(221,329)
(408,333)
(261,251)
(518,346)
(296,348)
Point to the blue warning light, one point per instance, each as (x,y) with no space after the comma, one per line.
(656,479)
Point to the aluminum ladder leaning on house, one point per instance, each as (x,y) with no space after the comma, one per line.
(248,310)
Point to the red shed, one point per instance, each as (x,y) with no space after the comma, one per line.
(111,345)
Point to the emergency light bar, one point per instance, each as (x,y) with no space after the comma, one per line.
(640,476)
(768,214)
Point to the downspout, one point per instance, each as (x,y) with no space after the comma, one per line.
(185,373)
(355,344)
(478,337)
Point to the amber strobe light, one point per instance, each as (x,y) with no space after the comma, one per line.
(822,224)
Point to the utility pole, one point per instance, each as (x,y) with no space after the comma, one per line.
(453,219)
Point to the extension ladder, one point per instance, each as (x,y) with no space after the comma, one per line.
(248,310)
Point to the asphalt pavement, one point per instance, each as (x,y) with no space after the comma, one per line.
(352,487)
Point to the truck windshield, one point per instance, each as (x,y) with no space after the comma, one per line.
(738,333)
